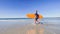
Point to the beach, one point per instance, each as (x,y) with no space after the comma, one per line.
(27,27)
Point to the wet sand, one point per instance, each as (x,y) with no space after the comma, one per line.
(30,29)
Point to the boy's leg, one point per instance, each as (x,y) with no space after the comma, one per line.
(35,21)
(38,21)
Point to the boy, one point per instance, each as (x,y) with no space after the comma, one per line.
(36,17)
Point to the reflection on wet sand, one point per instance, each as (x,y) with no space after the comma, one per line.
(36,30)
(30,29)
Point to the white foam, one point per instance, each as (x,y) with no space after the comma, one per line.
(12,20)
(33,23)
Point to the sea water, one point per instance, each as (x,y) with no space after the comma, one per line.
(6,23)
(21,21)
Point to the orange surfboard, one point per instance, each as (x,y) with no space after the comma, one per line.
(33,16)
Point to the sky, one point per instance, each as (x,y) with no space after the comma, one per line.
(19,8)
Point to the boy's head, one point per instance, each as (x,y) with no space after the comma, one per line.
(36,11)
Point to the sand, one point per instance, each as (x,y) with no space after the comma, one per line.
(30,29)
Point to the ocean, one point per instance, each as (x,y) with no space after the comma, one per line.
(12,23)
(4,21)
(24,21)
